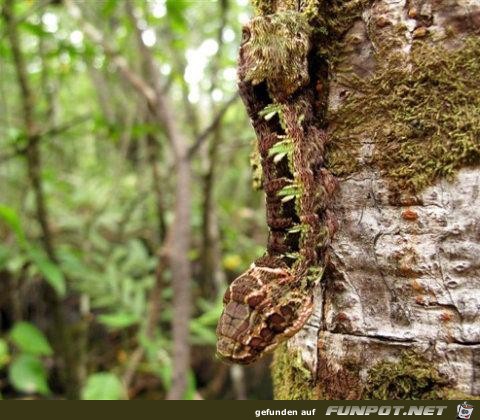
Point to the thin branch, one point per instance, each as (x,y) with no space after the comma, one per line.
(60,129)
(32,131)
(119,61)
(12,155)
(38,5)
(212,274)
(213,125)
(52,132)
(34,167)
(180,229)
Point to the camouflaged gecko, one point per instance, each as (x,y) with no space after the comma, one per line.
(279,78)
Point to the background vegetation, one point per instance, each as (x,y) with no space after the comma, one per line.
(118,121)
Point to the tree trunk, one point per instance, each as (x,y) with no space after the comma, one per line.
(397,312)
(62,332)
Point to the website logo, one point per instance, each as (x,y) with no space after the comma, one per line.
(464,411)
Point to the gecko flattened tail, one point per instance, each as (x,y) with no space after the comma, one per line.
(262,308)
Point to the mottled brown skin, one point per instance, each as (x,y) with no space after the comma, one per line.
(257,313)
(273,299)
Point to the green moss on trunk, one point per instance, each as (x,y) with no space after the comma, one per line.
(291,379)
(422,116)
(410,378)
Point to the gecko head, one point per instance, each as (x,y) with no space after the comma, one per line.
(262,308)
(275,49)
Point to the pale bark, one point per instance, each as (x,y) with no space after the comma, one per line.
(405,272)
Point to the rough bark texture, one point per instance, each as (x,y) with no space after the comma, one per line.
(397,315)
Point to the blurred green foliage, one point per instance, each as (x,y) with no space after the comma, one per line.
(103,386)
(23,352)
(102,198)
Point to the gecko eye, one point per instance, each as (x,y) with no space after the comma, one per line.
(245,35)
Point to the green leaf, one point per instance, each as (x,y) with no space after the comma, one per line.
(270,111)
(287,198)
(191,386)
(281,149)
(210,313)
(164,372)
(201,334)
(10,217)
(176,15)
(34,28)
(5,255)
(270,115)
(108,7)
(297,228)
(103,386)
(119,320)
(316,271)
(28,375)
(202,329)
(292,255)
(49,270)
(29,339)
(4,355)
(52,273)
(279,157)
(291,191)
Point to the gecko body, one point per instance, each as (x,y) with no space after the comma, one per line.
(279,76)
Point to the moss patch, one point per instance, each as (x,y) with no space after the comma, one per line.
(331,17)
(337,17)
(291,379)
(411,378)
(423,116)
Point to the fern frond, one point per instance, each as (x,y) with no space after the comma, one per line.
(270,111)
(281,149)
(292,189)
